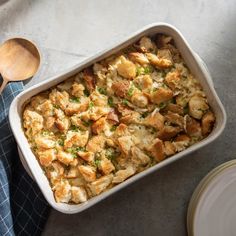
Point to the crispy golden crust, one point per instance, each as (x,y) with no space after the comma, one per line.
(116,118)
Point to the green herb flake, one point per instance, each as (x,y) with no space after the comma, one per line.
(60,142)
(110,102)
(145,114)
(113,128)
(56,106)
(86,93)
(162,105)
(74,128)
(97,162)
(139,71)
(91,105)
(131,90)
(45,133)
(102,91)
(186,109)
(125,102)
(87,123)
(75,100)
(148,70)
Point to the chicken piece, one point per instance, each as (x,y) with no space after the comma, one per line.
(106,166)
(161,95)
(163,40)
(99,126)
(113,117)
(208,120)
(98,99)
(65,157)
(76,121)
(100,184)
(62,124)
(37,100)
(54,172)
(72,173)
(146,44)
(133,117)
(158,62)
(174,119)
(88,172)
(155,120)
(156,149)
(77,90)
(121,130)
(75,162)
(46,157)
(87,156)
(125,143)
(146,82)
(73,108)
(96,144)
(89,79)
(50,123)
(44,142)
(197,106)
(168,132)
(98,112)
(126,68)
(120,88)
(63,192)
(60,99)
(32,122)
(182,100)
(78,194)
(122,175)
(175,108)
(46,108)
(165,54)
(172,79)
(139,157)
(74,138)
(193,127)
(169,148)
(181,142)
(138,57)
(139,99)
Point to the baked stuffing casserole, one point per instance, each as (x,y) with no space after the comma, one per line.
(116,118)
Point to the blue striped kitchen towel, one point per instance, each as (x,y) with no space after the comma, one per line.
(23,209)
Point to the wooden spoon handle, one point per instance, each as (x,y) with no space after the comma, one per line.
(3,85)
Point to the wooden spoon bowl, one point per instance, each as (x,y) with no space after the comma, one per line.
(19,60)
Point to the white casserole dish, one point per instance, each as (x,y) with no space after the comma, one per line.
(196,67)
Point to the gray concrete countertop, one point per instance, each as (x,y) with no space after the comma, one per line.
(68,31)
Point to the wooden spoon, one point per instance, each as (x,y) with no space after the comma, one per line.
(19,60)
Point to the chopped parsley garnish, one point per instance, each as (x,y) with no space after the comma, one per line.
(131,90)
(110,154)
(102,91)
(125,102)
(86,93)
(110,102)
(144,70)
(91,105)
(162,105)
(74,150)
(148,70)
(74,128)
(61,142)
(186,110)
(113,128)
(56,106)
(145,114)
(45,133)
(97,162)
(75,100)
(87,123)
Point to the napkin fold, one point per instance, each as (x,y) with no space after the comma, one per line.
(23,209)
